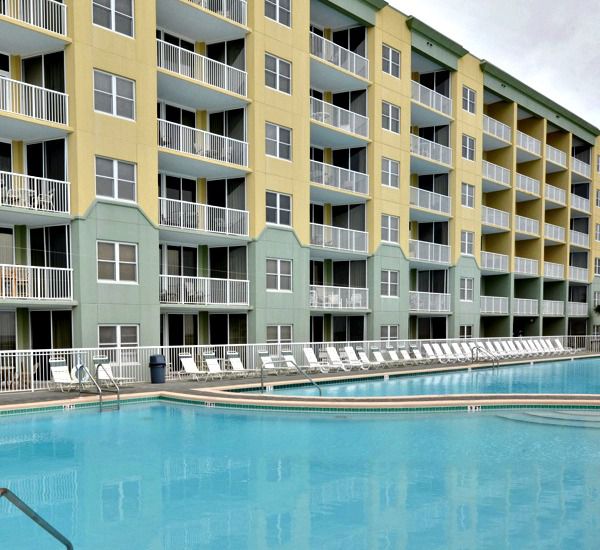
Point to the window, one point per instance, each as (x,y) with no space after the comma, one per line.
(596,266)
(279,334)
(114,95)
(389,332)
(597,232)
(278,74)
(389,228)
(468,147)
(467,195)
(466,242)
(391,61)
(466,331)
(278,141)
(389,283)
(596,330)
(279,275)
(279,208)
(115,179)
(280,11)
(116,15)
(117,262)
(598,198)
(390,172)
(596,297)
(466,289)
(125,337)
(390,117)
(468,99)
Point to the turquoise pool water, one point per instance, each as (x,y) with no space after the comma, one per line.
(155,476)
(577,376)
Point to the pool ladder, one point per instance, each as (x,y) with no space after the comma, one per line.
(33,515)
(478,349)
(98,388)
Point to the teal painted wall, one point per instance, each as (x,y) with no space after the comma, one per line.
(464,313)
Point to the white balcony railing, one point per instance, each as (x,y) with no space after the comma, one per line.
(201,144)
(527,225)
(40,194)
(526,266)
(527,184)
(433,302)
(200,68)
(339,178)
(176,289)
(203,217)
(341,119)
(554,232)
(577,309)
(338,297)
(579,239)
(529,143)
(430,98)
(340,57)
(493,216)
(494,262)
(338,238)
(556,156)
(525,306)
(236,10)
(580,203)
(431,201)
(580,167)
(493,305)
(553,307)
(495,173)
(431,150)
(429,252)
(24,282)
(554,271)
(555,194)
(578,274)
(496,128)
(45,14)
(33,101)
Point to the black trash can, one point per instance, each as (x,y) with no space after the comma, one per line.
(157,366)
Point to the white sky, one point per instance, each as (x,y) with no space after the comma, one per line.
(551,45)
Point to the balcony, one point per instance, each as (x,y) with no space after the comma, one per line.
(423,251)
(195,218)
(203,291)
(554,271)
(553,308)
(191,79)
(429,108)
(526,228)
(495,178)
(526,267)
(351,71)
(495,134)
(581,168)
(496,263)
(580,203)
(527,188)
(555,197)
(577,309)
(41,26)
(554,233)
(556,160)
(578,274)
(44,284)
(577,238)
(493,305)
(338,239)
(494,220)
(429,302)
(429,157)
(198,151)
(439,206)
(337,182)
(338,297)
(337,127)
(26,106)
(528,147)
(525,306)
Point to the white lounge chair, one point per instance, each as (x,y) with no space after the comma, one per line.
(237,367)
(353,359)
(394,359)
(104,373)
(513,353)
(560,346)
(489,346)
(442,356)
(268,366)
(419,356)
(459,353)
(509,345)
(290,362)
(536,346)
(550,345)
(314,364)
(362,355)
(213,367)
(336,360)
(406,358)
(61,376)
(431,355)
(380,358)
(188,367)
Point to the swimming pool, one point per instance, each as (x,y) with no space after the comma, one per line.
(182,477)
(580,376)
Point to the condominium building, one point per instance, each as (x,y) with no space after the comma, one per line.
(223,171)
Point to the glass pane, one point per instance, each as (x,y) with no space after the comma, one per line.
(106,271)
(125,108)
(107,335)
(129,335)
(102,102)
(127,253)
(104,186)
(127,272)
(101,16)
(124,88)
(102,82)
(126,171)
(106,251)
(127,190)
(104,167)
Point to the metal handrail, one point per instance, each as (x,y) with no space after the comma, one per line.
(479,348)
(82,366)
(306,376)
(113,382)
(33,515)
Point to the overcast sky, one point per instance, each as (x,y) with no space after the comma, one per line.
(551,45)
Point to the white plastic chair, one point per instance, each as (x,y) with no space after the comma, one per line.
(189,367)
(353,359)
(314,363)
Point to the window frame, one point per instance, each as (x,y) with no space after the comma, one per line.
(467,140)
(278,209)
(387,285)
(278,76)
(470,99)
(112,9)
(387,330)
(387,175)
(279,340)
(466,289)
(279,275)
(465,332)
(278,9)
(388,228)
(467,191)
(389,117)
(390,61)
(115,179)
(113,95)
(596,266)
(278,142)
(117,263)
(597,232)
(466,243)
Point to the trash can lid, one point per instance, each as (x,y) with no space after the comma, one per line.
(156,359)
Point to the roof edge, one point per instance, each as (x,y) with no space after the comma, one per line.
(415,24)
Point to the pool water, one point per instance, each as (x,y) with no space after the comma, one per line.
(155,476)
(577,376)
